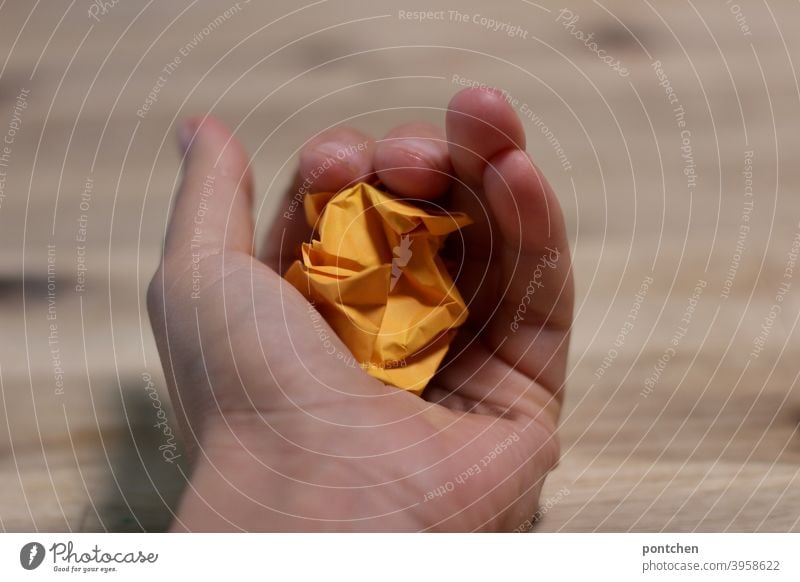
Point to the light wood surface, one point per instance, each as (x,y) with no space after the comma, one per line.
(713,446)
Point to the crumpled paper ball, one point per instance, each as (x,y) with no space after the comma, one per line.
(374,274)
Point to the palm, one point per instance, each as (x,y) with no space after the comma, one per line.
(278,389)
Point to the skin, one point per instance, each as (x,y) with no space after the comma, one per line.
(284,436)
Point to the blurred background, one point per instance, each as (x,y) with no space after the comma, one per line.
(669,130)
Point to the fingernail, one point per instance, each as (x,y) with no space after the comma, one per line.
(425,149)
(321,153)
(332,149)
(186,135)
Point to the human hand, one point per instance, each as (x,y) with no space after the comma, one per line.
(284,436)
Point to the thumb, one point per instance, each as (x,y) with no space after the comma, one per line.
(213,207)
(212,215)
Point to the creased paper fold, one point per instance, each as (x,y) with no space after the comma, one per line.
(374,273)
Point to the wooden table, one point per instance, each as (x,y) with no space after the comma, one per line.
(683,403)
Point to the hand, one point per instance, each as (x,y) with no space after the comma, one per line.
(285,436)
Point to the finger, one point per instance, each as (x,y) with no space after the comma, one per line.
(213,208)
(413,160)
(517,273)
(331,161)
(335,159)
(212,215)
(480,124)
(536,273)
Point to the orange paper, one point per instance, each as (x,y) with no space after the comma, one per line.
(375,276)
